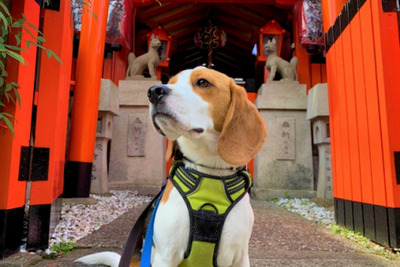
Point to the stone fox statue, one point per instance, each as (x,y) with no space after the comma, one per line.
(276,64)
(149,60)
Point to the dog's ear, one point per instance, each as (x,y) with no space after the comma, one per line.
(171,149)
(244,131)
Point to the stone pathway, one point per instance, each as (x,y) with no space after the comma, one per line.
(280,238)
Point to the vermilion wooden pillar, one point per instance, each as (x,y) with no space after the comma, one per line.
(12,184)
(51,125)
(362,54)
(86,100)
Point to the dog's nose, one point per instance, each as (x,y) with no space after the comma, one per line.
(157,92)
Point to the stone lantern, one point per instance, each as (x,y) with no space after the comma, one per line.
(108,108)
(318,114)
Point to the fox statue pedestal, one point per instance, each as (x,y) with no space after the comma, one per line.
(137,158)
(284,167)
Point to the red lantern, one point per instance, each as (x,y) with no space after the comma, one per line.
(166,42)
(271,30)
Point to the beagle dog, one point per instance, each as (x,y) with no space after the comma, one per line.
(214,131)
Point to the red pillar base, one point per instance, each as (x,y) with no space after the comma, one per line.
(77,178)
(378,223)
(11,227)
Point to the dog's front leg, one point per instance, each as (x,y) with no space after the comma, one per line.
(244,259)
(171,230)
(159,260)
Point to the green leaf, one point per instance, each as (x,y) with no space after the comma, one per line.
(18,39)
(9,124)
(41,39)
(8,87)
(16,48)
(33,27)
(18,23)
(5,9)
(6,114)
(7,96)
(17,96)
(16,56)
(3,69)
(38,45)
(50,54)
(29,32)
(14,84)
(4,20)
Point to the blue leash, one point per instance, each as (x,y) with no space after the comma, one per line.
(148,241)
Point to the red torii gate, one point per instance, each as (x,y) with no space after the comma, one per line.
(363,52)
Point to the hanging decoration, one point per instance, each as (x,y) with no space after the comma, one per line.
(210,38)
(119,22)
(310,26)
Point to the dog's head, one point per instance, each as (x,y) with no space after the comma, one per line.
(206,106)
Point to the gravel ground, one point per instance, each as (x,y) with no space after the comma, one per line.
(308,209)
(79,220)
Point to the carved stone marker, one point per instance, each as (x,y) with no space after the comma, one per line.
(137,158)
(284,166)
(136,135)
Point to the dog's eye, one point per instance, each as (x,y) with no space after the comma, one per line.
(203,83)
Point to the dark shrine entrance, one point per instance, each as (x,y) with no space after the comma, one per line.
(240,22)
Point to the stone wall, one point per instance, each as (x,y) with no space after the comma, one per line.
(137,158)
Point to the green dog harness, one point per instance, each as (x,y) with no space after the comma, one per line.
(209,200)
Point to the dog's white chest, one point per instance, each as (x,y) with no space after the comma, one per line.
(172,231)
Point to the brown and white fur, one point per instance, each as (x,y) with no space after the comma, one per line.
(218,129)
(149,60)
(276,64)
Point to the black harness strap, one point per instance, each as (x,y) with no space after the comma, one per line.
(134,235)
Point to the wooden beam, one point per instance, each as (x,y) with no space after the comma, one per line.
(189,19)
(244,36)
(241,12)
(172,15)
(154,10)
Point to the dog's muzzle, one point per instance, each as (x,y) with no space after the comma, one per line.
(156,93)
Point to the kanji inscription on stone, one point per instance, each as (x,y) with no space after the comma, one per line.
(136,135)
(286,139)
